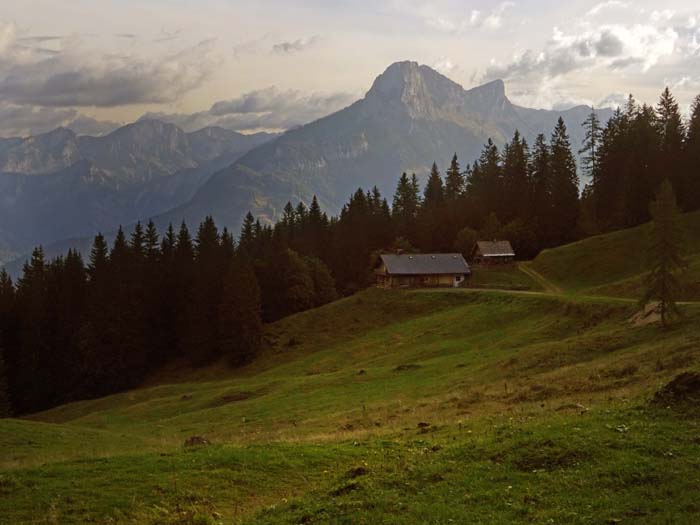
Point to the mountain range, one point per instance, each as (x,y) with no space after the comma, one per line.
(58,185)
(61,186)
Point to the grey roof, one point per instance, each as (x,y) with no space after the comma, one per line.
(495,248)
(425,264)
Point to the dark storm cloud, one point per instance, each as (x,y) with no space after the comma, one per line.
(295,46)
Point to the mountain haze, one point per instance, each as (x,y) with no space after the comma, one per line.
(59,185)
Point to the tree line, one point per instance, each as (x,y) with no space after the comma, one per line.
(71,329)
(630,157)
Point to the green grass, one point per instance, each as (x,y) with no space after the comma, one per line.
(616,263)
(395,406)
(347,386)
(505,276)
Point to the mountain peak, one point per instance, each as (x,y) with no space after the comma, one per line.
(393,82)
(495,88)
(419,88)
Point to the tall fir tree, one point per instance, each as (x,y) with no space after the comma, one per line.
(454,180)
(431,215)
(591,144)
(240,325)
(247,235)
(691,158)
(405,207)
(34,381)
(516,184)
(565,205)
(671,131)
(485,182)
(202,340)
(663,284)
(541,188)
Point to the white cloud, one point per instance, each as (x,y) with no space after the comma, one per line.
(445,65)
(451,19)
(647,47)
(495,19)
(605,6)
(270,108)
(72,74)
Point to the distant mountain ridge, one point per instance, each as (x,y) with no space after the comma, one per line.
(411,116)
(136,152)
(59,185)
(72,186)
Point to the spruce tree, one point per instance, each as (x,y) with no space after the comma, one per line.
(541,184)
(591,144)
(691,158)
(151,243)
(405,207)
(611,182)
(167,246)
(671,131)
(663,284)
(98,256)
(646,170)
(317,235)
(247,236)
(485,182)
(454,180)
(240,325)
(431,215)
(97,337)
(228,246)
(34,385)
(565,205)
(137,242)
(516,186)
(203,311)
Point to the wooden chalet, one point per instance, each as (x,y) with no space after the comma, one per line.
(421,270)
(492,252)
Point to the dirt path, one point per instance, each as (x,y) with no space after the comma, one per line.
(546,284)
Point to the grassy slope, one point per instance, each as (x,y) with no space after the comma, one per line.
(615,263)
(536,408)
(346,386)
(505,277)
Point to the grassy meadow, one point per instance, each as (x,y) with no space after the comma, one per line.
(408,406)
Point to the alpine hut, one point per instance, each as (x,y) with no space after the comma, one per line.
(492,252)
(421,270)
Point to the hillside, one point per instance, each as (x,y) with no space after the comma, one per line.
(454,405)
(616,263)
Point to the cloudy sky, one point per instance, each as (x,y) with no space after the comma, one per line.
(273,64)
